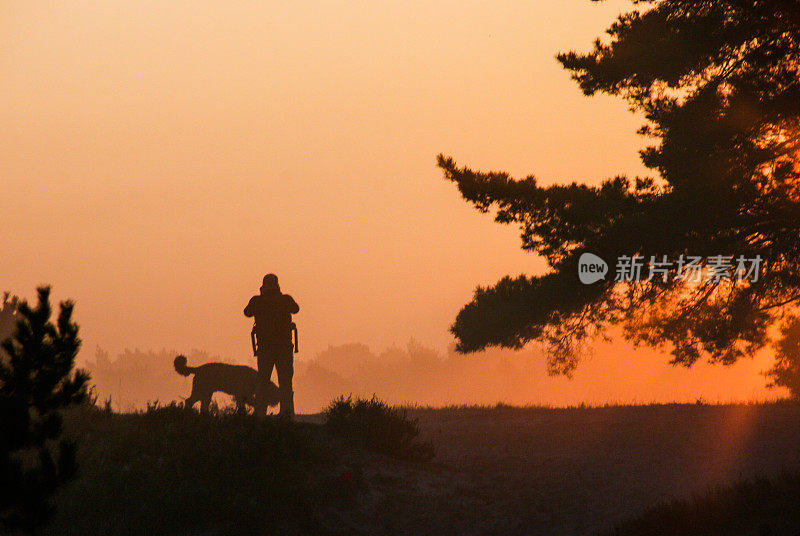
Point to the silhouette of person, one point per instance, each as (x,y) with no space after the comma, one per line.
(273,312)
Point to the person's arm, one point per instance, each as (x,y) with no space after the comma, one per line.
(291,305)
(250,310)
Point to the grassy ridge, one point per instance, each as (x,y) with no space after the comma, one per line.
(498,470)
(167,472)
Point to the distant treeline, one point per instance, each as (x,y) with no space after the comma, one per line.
(413,373)
(417,374)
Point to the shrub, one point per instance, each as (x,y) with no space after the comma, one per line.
(376,426)
(785,372)
(36,381)
(758,506)
(167,471)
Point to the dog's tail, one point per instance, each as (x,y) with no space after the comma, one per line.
(181,367)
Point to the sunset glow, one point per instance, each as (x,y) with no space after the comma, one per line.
(158,158)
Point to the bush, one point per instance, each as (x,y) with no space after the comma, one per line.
(377,427)
(37,381)
(167,471)
(767,507)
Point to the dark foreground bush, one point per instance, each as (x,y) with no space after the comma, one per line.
(377,427)
(759,507)
(37,381)
(164,471)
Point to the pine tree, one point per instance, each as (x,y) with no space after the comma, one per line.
(718,82)
(36,382)
(8,310)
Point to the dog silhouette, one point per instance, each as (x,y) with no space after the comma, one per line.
(243,383)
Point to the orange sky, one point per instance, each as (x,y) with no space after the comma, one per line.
(157,158)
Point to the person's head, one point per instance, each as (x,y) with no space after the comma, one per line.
(270,283)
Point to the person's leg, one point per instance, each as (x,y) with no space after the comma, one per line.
(266,362)
(285,369)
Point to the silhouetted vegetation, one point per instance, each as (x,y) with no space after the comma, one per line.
(757,507)
(36,382)
(8,319)
(376,426)
(719,85)
(498,470)
(786,370)
(413,372)
(166,471)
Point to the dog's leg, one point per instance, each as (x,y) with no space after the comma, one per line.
(194,397)
(204,403)
(259,408)
(240,409)
(188,403)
